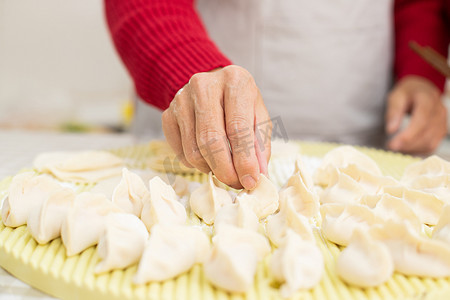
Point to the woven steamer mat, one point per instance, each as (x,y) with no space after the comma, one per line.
(47,268)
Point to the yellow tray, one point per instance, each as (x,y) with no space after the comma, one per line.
(48,269)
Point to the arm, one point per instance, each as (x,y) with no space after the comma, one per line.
(418,88)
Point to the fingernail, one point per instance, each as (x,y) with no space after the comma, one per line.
(248,182)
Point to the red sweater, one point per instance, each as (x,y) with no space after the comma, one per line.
(163,42)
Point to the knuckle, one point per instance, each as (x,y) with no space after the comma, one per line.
(236,124)
(198,81)
(207,136)
(194,157)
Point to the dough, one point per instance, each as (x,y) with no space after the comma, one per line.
(372,184)
(432,166)
(263,199)
(122,243)
(238,214)
(346,191)
(365,262)
(442,230)
(44,222)
(131,193)
(297,263)
(171,251)
(206,200)
(162,207)
(438,186)
(85,222)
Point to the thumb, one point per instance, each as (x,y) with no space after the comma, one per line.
(396,109)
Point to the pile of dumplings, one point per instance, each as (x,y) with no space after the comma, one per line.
(385,225)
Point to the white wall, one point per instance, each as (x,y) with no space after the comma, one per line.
(57,63)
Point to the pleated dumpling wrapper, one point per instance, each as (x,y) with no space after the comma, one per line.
(340,220)
(299,264)
(365,262)
(287,219)
(171,250)
(163,206)
(207,199)
(413,254)
(26,193)
(341,157)
(432,166)
(346,190)
(131,193)
(235,255)
(372,184)
(122,242)
(44,223)
(85,221)
(84,167)
(237,214)
(442,230)
(300,190)
(426,206)
(437,186)
(263,199)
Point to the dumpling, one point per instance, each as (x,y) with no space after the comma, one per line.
(26,193)
(432,166)
(438,186)
(234,258)
(162,207)
(44,223)
(85,166)
(396,209)
(171,251)
(238,214)
(85,222)
(346,191)
(365,262)
(413,254)
(442,230)
(373,184)
(426,206)
(288,219)
(206,200)
(340,220)
(300,189)
(263,199)
(122,243)
(131,193)
(341,157)
(298,264)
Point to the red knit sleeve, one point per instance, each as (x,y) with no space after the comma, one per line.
(162,43)
(421,21)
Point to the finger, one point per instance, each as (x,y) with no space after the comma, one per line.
(210,129)
(240,96)
(396,110)
(421,115)
(173,136)
(184,113)
(263,135)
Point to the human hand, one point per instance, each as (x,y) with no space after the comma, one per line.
(214,112)
(421,99)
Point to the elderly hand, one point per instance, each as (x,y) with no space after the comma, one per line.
(218,122)
(428,125)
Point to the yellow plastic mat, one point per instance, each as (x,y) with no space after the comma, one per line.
(47,268)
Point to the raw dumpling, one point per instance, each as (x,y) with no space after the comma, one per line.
(297,263)
(238,214)
(373,184)
(340,220)
(44,223)
(171,251)
(206,200)
(288,219)
(438,186)
(263,199)
(365,262)
(442,230)
(341,157)
(163,206)
(131,193)
(85,222)
(122,243)
(413,254)
(346,191)
(234,258)
(432,166)
(26,193)
(86,166)
(426,206)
